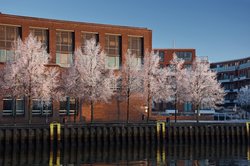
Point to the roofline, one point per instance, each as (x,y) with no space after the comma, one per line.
(173,48)
(73,22)
(233,60)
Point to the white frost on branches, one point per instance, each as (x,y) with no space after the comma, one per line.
(178,79)
(25,74)
(244,96)
(156,86)
(88,78)
(204,89)
(132,82)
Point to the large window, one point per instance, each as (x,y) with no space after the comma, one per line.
(135,45)
(9,109)
(8,34)
(113,51)
(68,106)
(186,56)
(42,36)
(40,108)
(87,36)
(64,48)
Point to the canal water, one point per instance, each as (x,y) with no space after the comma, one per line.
(115,155)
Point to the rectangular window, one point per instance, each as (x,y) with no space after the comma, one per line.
(87,36)
(8,34)
(116,85)
(42,36)
(68,106)
(186,56)
(64,48)
(161,55)
(8,107)
(113,51)
(19,107)
(39,108)
(135,45)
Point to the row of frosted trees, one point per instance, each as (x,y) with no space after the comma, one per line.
(89,80)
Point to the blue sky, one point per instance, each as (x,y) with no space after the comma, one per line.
(219,29)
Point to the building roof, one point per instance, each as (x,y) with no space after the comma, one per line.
(71,22)
(232,60)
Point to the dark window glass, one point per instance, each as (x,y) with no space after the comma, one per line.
(7,104)
(64,104)
(161,55)
(186,56)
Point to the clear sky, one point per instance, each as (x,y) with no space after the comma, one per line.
(219,29)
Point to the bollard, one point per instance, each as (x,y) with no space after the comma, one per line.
(58,131)
(247,127)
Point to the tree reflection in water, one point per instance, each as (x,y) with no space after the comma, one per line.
(123,154)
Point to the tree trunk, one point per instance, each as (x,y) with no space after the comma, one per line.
(14,109)
(76,108)
(80,109)
(68,108)
(175,111)
(30,109)
(118,108)
(198,113)
(92,111)
(127,108)
(148,105)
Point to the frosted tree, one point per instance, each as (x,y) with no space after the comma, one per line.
(25,75)
(178,81)
(244,96)
(156,86)
(204,89)
(72,81)
(95,79)
(132,82)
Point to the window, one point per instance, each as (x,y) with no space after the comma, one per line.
(68,106)
(40,108)
(161,55)
(113,51)
(8,34)
(87,36)
(135,45)
(64,48)
(187,107)
(8,107)
(186,56)
(116,84)
(19,106)
(42,36)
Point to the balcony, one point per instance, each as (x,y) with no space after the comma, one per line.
(224,69)
(240,78)
(230,90)
(245,65)
(225,80)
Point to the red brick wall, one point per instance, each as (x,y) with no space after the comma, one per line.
(102,112)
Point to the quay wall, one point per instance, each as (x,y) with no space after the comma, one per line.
(127,134)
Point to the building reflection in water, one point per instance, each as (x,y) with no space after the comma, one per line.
(123,154)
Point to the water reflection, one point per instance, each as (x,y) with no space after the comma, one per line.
(136,154)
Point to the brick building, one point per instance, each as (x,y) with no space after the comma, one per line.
(61,39)
(166,55)
(233,75)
